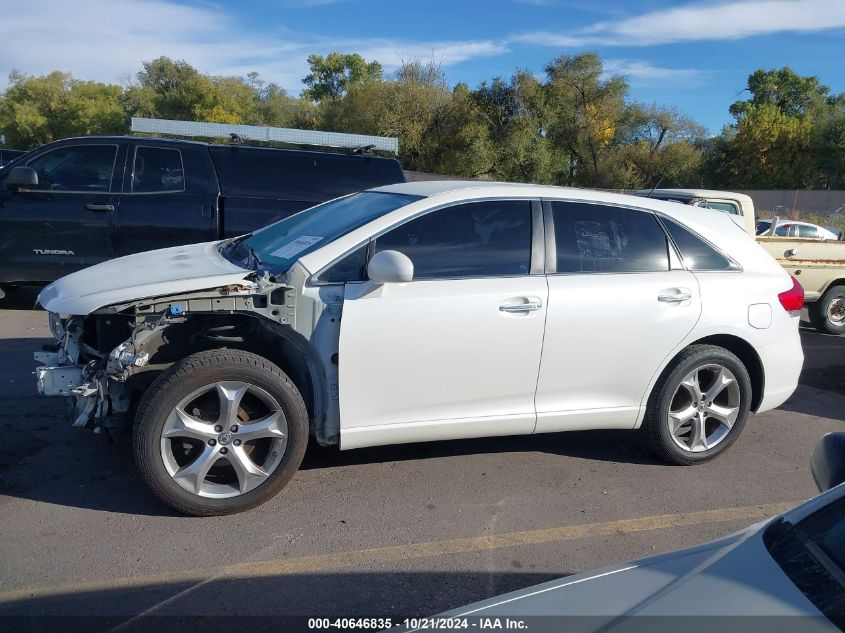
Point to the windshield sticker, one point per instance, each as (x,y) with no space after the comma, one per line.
(297,246)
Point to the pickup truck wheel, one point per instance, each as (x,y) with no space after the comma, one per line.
(827,314)
(220,432)
(698,406)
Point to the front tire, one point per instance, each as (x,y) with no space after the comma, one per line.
(699,405)
(827,314)
(220,432)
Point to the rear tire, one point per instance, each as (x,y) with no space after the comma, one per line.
(220,432)
(827,314)
(699,405)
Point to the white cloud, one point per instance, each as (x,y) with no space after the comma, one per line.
(701,22)
(642,73)
(107,40)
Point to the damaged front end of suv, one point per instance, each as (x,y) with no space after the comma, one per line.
(110,346)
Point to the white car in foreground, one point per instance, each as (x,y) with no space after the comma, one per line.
(425,311)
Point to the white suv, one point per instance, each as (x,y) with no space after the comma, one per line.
(425,311)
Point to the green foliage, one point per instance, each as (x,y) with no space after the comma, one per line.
(333,75)
(789,92)
(574,126)
(37,110)
(789,134)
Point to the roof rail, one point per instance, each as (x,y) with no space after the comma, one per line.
(264,133)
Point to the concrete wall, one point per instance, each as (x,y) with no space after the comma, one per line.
(782,202)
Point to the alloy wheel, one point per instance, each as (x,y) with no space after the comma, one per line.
(224,439)
(704,408)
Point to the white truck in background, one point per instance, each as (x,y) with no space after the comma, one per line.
(818,264)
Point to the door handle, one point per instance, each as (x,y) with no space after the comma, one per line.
(101,208)
(682,294)
(530,306)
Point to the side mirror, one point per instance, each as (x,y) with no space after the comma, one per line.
(21,178)
(828,461)
(390,267)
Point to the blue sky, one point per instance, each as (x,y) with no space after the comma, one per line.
(693,55)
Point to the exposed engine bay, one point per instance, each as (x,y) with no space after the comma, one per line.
(102,362)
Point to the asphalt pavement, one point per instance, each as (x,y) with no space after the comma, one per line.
(391,531)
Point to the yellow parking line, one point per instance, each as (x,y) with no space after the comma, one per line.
(352,558)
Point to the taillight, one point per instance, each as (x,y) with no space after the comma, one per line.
(793,299)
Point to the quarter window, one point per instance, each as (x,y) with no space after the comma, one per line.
(76,168)
(696,253)
(351,267)
(478,239)
(157,170)
(595,238)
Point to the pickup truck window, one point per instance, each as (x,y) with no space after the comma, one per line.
(79,168)
(277,246)
(725,207)
(258,172)
(696,253)
(157,170)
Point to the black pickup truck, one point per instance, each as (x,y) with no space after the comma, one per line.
(77,202)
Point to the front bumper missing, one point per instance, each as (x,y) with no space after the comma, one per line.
(87,401)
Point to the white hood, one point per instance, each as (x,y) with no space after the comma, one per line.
(150,274)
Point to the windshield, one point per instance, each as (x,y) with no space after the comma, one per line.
(277,246)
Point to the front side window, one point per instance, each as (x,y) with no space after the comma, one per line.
(76,168)
(476,239)
(593,238)
(696,253)
(157,170)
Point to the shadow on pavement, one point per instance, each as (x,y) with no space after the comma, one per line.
(269,603)
(20,298)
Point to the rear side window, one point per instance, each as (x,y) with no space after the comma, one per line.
(696,253)
(295,175)
(593,238)
(157,170)
(76,168)
(477,239)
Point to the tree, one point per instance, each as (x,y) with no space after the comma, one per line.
(515,112)
(586,112)
(786,135)
(783,88)
(660,145)
(37,110)
(332,76)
